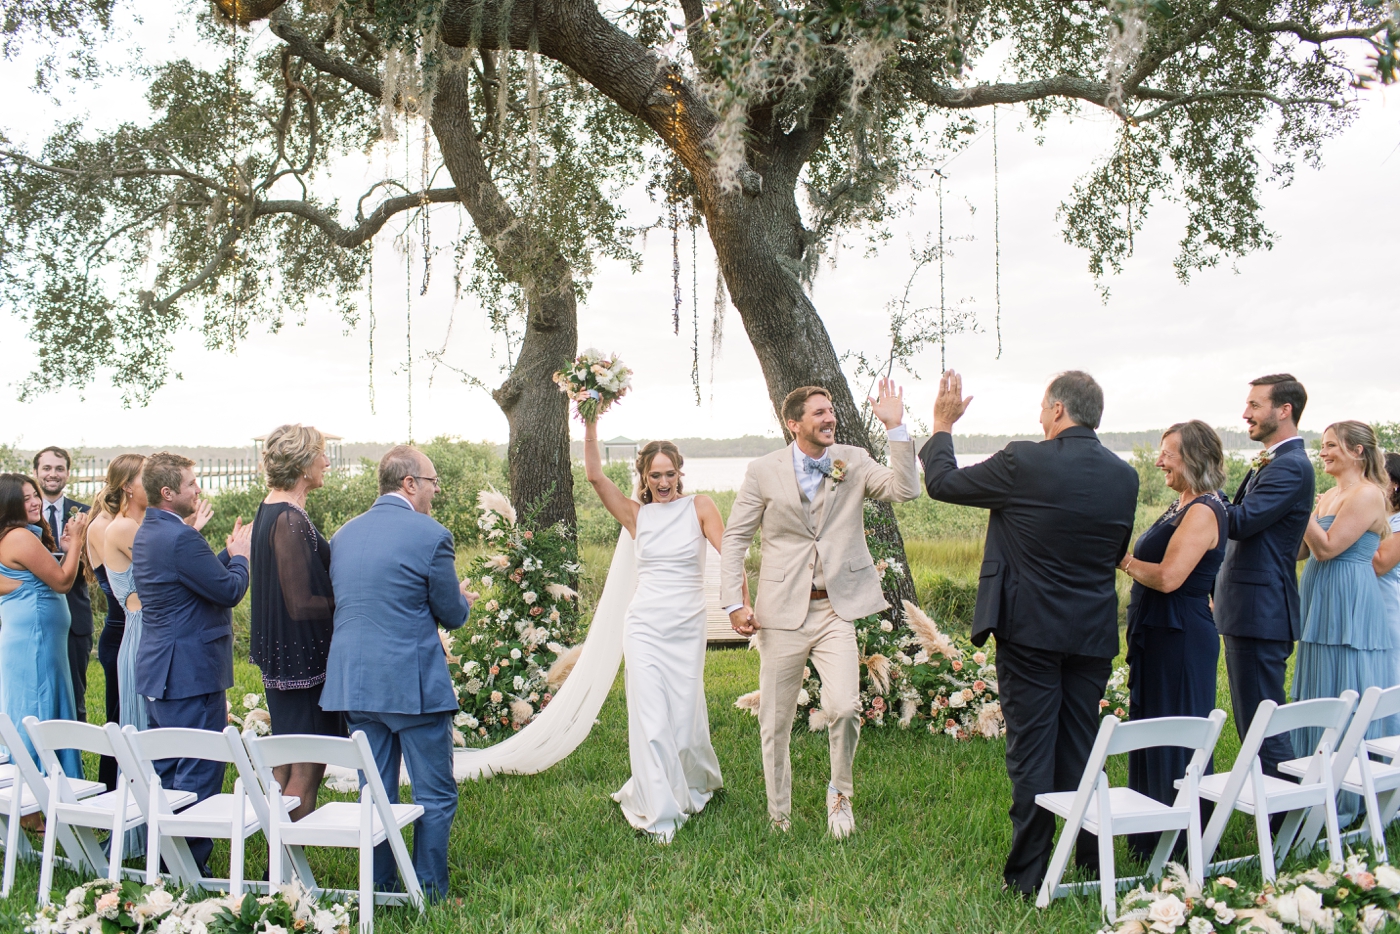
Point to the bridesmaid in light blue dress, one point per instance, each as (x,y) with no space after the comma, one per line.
(35,678)
(1386,563)
(1346,642)
(117,558)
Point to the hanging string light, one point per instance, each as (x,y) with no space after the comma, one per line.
(695,307)
(996,221)
(942,297)
(371,326)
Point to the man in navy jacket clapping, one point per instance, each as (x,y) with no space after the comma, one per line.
(185,661)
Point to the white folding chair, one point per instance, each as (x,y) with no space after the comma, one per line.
(1247,789)
(23,791)
(1354,771)
(117,810)
(1109,812)
(234,817)
(361,826)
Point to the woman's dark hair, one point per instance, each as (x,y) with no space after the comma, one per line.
(13,515)
(1392,467)
(644,458)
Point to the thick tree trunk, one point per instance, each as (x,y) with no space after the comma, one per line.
(759,242)
(541,473)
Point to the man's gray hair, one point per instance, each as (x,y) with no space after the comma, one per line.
(1081,396)
(398,462)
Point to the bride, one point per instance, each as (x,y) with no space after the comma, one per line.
(674,769)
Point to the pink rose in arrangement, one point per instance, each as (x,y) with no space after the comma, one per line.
(878,703)
(528,536)
(957,665)
(495,669)
(536,610)
(979,686)
(979,657)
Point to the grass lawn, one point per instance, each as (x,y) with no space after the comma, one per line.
(552,852)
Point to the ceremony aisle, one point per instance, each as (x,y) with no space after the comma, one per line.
(551,852)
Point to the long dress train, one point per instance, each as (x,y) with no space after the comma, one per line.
(674,767)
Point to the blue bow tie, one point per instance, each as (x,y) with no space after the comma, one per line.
(822,466)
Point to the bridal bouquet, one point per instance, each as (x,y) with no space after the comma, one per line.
(594,381)
(510,659)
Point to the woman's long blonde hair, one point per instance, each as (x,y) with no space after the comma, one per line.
(123,469)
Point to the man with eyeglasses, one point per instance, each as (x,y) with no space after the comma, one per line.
(394,576)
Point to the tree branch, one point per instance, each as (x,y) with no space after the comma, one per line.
(1186,99)
(1302,30)
(318,58)
(367,228)
(103,173)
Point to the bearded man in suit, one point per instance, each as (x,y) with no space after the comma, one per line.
(1256,593)
(816,578)
(52,466)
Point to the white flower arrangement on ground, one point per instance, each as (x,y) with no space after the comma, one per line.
(256,719)
(594,381)
(111,907)
(513,655)
(1115,698)
(1355,897)
(912,672)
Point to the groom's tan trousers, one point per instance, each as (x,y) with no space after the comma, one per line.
(830,642)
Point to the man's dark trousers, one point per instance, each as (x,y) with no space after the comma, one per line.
(1051,704)
(204,778)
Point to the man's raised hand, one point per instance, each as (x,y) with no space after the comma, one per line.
(203,512)
(888,406)
(240,540)
(950,404)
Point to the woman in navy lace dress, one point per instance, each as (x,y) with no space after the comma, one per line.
(1173,648)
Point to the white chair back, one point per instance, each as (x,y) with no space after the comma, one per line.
(49,736)
(81,849)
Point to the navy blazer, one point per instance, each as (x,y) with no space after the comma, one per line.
(1256,592)
(187,599)
(79,601)
(394,574)
(1062,518)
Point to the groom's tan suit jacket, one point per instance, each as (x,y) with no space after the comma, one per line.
(817,543)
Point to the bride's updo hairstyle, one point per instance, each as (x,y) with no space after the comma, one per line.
(644,458)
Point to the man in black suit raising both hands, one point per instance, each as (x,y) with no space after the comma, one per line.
(1062,516)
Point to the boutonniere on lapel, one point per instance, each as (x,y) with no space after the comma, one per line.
(838,472)
(1261,460)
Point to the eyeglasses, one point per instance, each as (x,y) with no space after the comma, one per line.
(432,480)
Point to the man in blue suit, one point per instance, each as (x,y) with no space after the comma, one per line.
(185,661)
(1256,592)
(395,582)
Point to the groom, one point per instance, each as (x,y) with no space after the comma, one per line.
(816,577)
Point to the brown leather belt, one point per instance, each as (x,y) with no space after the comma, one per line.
(819,595)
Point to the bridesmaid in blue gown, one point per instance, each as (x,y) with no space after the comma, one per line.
(1345,642)
(35,678)
(1173,648)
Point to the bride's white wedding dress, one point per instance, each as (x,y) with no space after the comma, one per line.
(674,768)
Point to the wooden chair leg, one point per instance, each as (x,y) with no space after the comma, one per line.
(1195,864)
(367,861)
(51,827)
(1373,811)
(1108,886)
(1334,834)
(1261,823)
(153,833)
(1049,889)
(114,861)
(12,834)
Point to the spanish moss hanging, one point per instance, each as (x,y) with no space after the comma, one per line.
(695,310)
(942,296)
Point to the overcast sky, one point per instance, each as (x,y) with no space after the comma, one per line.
(1321,304)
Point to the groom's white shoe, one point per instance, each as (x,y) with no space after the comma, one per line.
(840,819)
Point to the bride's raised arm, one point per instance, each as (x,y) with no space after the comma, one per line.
(623,507)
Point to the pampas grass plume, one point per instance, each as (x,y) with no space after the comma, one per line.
(748,702)
(492,500)
(933,641)
(562,666)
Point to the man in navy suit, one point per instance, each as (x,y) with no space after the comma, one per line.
(51,468)
(395,583)
(1061,519)
(1256,592)
(185,660)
